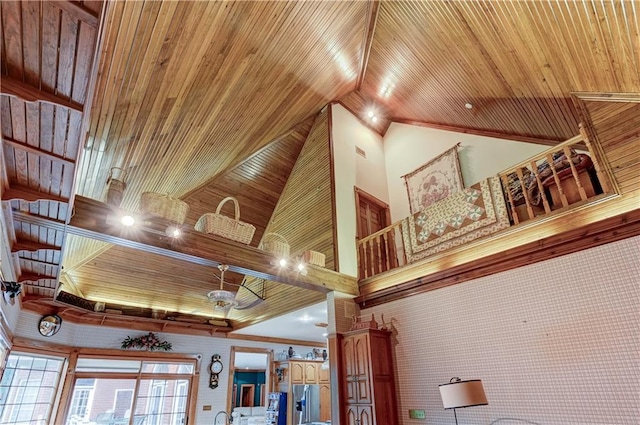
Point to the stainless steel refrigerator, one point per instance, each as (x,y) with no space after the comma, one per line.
(306,404)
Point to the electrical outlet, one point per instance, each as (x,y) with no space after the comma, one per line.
(417,414)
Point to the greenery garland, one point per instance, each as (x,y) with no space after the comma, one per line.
(149,342)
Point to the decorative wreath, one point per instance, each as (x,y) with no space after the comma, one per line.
(149,342)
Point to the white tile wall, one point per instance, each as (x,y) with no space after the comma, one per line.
(555,343)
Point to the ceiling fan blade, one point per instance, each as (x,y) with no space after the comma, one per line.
(250,305)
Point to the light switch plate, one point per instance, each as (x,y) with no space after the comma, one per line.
(417,414)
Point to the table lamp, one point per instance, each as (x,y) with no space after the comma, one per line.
(458,394)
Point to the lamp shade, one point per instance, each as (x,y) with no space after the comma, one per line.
(459,394)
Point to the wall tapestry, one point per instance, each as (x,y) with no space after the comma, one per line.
(435,180)
(476,211)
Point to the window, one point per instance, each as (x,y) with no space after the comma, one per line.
(28,389)
(156,392)
(82,397)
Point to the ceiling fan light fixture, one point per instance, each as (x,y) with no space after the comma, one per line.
(222,299)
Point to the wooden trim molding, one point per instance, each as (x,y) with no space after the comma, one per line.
(479,132)
(230,365)
(332,172)
(272,340)
(367,41)
(595,234)
(77,11)
(15,88)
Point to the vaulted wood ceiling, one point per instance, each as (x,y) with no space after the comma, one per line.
(200,100)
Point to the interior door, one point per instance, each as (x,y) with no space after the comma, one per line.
(373,215)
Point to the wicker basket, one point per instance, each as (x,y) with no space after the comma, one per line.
(164,206)
(275,244)
(313,257)
(217,224)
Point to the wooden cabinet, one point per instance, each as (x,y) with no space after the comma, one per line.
(368,381)
(296,371)
(324,375)
(311,373)
(325,402)
(359,415)
(308,372)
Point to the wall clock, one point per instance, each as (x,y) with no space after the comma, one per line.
(214,369)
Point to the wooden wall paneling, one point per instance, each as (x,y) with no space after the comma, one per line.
(304,214)
(617,125)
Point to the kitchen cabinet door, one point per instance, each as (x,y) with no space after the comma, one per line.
(324,375)
(297,372)
(325,403)
(310,373)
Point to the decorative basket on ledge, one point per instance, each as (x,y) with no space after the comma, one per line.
(230,228)
(313,257)
(164,206)
(275,244)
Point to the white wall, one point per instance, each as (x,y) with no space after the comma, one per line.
(75,335)
(352,170)
(555,343)
(408,147)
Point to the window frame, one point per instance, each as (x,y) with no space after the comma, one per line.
(64,394)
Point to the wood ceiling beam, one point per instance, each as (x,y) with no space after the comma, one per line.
(34,277)
(93,219)
(372,19)
(32,247)
(30,149)
(478,132)
(44,305)
(16,88)
(30,195)
(77,11)
(44,263)
(25,217)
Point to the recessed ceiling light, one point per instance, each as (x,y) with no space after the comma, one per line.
(173,231)
(127,220)
(371,114)
(300,267)
(283,262)
(374,118)
(468,105)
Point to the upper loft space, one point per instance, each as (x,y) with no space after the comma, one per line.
(578,194)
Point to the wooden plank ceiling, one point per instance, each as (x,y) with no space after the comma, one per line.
(200,100)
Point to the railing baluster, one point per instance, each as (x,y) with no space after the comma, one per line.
(386,251)
(379,254)
(576,177)
(512,205)
(602,177)
(525,193)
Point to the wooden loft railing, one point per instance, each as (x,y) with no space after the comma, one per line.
(565,175)
(560,178)
(381,251)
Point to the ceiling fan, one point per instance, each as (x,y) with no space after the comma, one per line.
(223,301)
